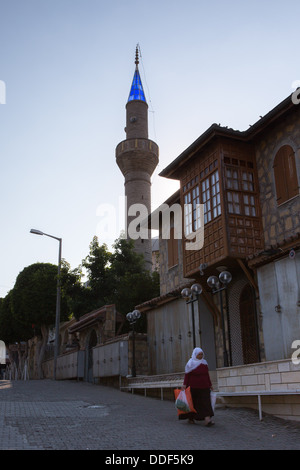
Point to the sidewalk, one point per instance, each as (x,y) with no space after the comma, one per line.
(58,415)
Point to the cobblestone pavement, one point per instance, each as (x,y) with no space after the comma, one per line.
(66,415)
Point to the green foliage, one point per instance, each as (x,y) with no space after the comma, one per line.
(74,293)
(11,331)
(133,283)
(34,295)
(31,304)
(117,277)
(125,259)
(97,264)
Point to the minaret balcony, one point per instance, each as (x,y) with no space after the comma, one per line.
(137,144)
(137,154)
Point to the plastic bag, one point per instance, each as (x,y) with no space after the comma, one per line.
(213,398)
(187,399)
(181,402)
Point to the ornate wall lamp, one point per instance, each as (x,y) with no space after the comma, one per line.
(218,284)
(132,317)
(191,295)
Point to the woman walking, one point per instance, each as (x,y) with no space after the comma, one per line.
(198,379)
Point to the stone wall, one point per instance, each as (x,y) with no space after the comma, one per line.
(141,354)
(279,222)
(270,376)
(170,278)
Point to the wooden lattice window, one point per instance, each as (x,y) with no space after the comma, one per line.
(206,197)
(206,192)
(188,214)
(247,181)
(232,178)
(249,205)
(192,213)
(285,174)
(211,197)
(234,206)
(240,191)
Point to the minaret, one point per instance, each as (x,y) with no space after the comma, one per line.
(137,158)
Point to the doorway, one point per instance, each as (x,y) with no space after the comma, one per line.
(91,343)
(249,330)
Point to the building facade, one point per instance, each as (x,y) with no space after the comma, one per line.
(248,185)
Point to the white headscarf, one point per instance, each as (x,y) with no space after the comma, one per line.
(194,362)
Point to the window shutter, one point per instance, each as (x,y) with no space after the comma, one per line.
(291,172)
(279,178)
(285,174)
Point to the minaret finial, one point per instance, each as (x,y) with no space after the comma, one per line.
(137,55)
(136,91)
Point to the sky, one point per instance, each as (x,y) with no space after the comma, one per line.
(66,68)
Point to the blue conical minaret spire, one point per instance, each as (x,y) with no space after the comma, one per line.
(137,158)
(136,91)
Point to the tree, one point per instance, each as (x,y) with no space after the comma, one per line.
(11,331)
(33,302)
(76,295)
(99,286)
(133,283)
(118,277)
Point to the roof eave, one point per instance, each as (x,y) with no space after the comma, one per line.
(173,169)
(208,136)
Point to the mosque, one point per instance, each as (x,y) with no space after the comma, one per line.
(238,295)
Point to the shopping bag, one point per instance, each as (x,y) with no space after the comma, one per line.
(183,401)
(213,398)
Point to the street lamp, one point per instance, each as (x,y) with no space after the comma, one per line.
(132,317)
(215,283)
(57,315)
(191,295)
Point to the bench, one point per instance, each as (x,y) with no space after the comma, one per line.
(176,382)
(259,394)
(156,381)
(161,382)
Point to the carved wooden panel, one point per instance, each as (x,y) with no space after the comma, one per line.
(224,180)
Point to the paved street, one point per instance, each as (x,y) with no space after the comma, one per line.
(49,415)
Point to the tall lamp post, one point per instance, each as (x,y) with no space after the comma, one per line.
(215,284)
(132,317)
(57,315)
(191,295)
